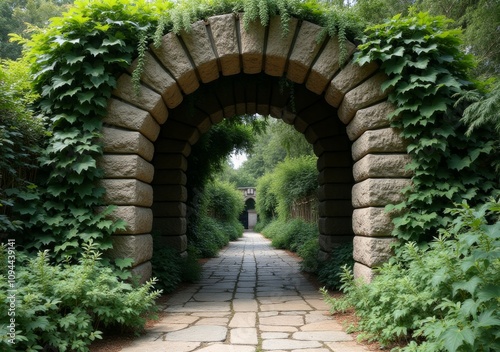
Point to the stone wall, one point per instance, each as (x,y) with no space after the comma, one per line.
(219,70)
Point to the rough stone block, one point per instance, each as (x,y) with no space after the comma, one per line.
(126,166)
(335,191)
(173,146)
(336,226)
(378,192)
(326,65)
(334,159)
(226,43)
(329,242)
(138,220)
(200,49)
(335,175)
(333,207)
(180,131)
(117,141)
(372,222)
(170,177)
(385,140)
(159,80)
(363,273)
(372,251)
(332,143)
(169,209)
(371,118)
(381,166)
(252,46)
(170,193)
(304,51)
(171,161)
(127,192)
(146,99)
(348,78)
(174,58)
(138,248)
(178,242)
(143,272)
(278,46)
(368,93)
(124,115)
(170,226)
(321,130)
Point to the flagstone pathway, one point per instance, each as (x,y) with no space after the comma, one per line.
(252,298)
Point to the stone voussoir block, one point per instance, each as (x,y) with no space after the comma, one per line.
(171,162)
(169,209)
(372,222)
(367,93)
(329,242)
(139,220)
(304,51)
(225,38)
(372,251)
(139,248)
(335,207)
(146,98)
(335,226)
(382,166)
(117,141)
(370,118)
(200,49)
(159,80)
(386,140)
(378,192)
(126,166)
(278,46)
(348,78)
(172,55)
(252,46)
(127,192)
(326,65)
(124,115)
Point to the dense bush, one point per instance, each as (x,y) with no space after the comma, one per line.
(330,271)
(441,297)
(216,221)
(20,137)
(170,268)
(63,307)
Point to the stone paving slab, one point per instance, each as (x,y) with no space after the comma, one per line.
(252,298)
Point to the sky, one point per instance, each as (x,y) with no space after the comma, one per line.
(237,159)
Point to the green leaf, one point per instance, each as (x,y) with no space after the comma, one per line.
(58,81)
(86,163)
(487,319)
(432,106)
(96,51)
(457,163)
(124,263)
(470,286)
(73,59)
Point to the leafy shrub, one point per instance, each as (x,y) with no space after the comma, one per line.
(330,271)
(170,269)
(309,253)
(440,297)
(62,307)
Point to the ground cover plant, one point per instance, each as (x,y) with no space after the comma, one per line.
(440,297)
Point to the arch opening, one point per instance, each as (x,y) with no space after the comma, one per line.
(199,78)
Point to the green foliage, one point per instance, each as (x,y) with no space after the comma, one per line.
(171,269)
(294,179)
(426,69)
(330,271)
(63,307)
(216,220)
(441,297)
(20,136)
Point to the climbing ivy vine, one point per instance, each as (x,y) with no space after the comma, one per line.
(75,62)
(426,68)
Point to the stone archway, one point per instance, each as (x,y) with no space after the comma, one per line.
(219,70)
